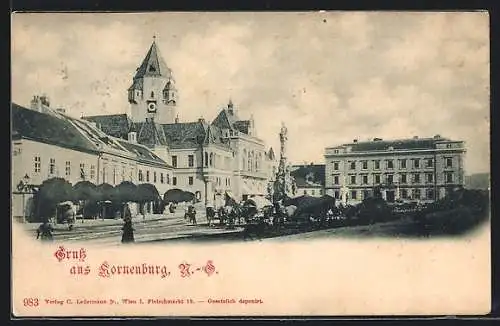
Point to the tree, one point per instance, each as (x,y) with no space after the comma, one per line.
(85,191)
(125,192)
(105,193)
(52,191)
(147,192)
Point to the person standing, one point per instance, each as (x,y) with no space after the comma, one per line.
(128,231)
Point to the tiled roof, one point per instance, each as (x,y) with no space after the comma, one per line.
(312,175)
(399,144)
(48,128)
(151,134)
(153,65)
(229,120)
(116,125)
(142,152)
(187,134)
(242,126)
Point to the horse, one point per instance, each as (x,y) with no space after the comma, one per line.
(210,214)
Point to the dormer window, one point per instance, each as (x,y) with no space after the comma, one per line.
(152,69)
(152,94)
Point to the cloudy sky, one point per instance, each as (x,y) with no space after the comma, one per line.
(330,76)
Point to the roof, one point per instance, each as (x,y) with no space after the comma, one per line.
(398,144)
(150,133)
(143,153)
(187,134)
(48,128)
(153,65)
(227,119)
(116,125)
(312,175)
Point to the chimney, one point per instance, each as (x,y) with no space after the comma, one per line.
(437,137)
(132,137)
(355,141)
(201,120)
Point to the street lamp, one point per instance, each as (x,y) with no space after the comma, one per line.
(24,188)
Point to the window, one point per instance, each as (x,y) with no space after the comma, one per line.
(354,194)
(336,166)
(430,193)
(352,165)
(174,161)
(68,168)
(336,194)
(206,160)
(147,176)
(416,178)
(377,178)
(429,178)
(141,177)
(123,172)
(190,181)
(376,165)
(390,164)
(365,165)
(154,177)
(366,193)
(168,178)
(336,151)
(131,175)
(416,163)
(449,146)
(161,178)
(449,162)
(114,175)
(38,164)
(52,166)
(320,191)
(92,172)
(416,193)
(448,177)
(305,192)
(365,179)
(190,161)
(312,192)
(353,179)
(152,69)
(174,181)
(336,180)
(403,178)
(404,193)
(104,173)
(402,164)
(390,179)
(429,163)
(82,171)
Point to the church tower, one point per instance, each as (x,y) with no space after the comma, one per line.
(153,94)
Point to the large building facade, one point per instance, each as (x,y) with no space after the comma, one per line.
(48,144)
(416,169)
(209,158)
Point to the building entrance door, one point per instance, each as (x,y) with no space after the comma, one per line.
(390,196)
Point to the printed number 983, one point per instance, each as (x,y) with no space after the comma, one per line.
(30,302)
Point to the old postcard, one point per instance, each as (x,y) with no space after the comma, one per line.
(250,164)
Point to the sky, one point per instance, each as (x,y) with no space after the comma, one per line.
(331,77)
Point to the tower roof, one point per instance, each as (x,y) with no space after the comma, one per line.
(153,65)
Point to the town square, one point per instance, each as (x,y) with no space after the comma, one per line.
(199,147)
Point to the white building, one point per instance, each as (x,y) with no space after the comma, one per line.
(47,143)
(415,169)
(209,159)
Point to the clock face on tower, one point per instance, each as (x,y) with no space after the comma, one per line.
(151,107)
